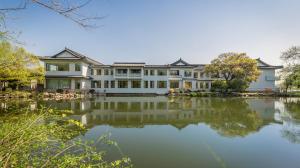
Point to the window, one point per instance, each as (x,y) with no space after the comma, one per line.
(77,84)
(112,72)
(201,85)
(106,84)
(146,72)
(145,84)
(207,85)
(57,67)
(151,84)
(195,74)
(135,71)
(161,84)
(77,67)
(135,84)
(106,71)
(96,84)
(112,84)
(162,72)
(174,84)
(174,72)
(201,74)
(99,72)
(122,84)
(122,71)
(58,83)
(151,72)
(187,73)
(92,71)
(187,85)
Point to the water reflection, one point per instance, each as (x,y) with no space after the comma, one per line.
(228,116)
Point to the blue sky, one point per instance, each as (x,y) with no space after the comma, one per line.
(161,31)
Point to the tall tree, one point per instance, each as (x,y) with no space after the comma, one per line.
(291,70)
(237,69)
(18,65)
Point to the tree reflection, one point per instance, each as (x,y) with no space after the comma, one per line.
(232,117)
(291,122)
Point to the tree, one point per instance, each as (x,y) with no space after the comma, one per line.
(237,70)
(18,66)
(291,71)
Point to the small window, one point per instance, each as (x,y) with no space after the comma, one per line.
(99,72)
(161,84)
(77,84)
(106,84)
(96,84)
(174,72)
(112,84)
(146,72)
(207,85)
(77,67)
(201,74)
(187,73)
(201,85)
(195,74)
(152,72)
(92,71)
(112,72)
(136,84)
(106,71)
(122,84)
(145,84)
(151,84)
(162,72)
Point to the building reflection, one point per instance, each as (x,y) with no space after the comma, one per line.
(228,116)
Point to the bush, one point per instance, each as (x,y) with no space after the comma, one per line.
(92,91)
(59,90)
(219,85)
(238,85)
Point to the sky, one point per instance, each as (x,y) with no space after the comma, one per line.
(162,31)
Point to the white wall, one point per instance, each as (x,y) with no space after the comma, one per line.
(266,80)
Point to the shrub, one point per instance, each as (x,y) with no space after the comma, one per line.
(219,85)
(59,90)
(92,91)
(238,85)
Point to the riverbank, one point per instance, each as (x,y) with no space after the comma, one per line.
(79,95)
(45,95)
(236,94)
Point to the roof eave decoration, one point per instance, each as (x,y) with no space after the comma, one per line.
(180,62)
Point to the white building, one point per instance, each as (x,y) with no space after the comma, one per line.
(71,70)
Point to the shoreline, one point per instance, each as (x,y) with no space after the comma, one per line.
(66,96)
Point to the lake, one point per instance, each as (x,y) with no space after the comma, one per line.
(190,132)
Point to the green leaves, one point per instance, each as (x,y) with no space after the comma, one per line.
(45,139)
(18,65)
(234,68)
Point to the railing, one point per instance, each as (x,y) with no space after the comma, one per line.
(135,75)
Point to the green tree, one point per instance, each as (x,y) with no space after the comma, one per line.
(237,70)
(18,66)
(291,71)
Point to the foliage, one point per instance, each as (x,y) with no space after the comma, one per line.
(235,68)
(232,117)
(47,138)
(291,71)
(219,85)
(18,66)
